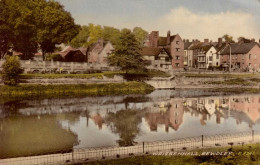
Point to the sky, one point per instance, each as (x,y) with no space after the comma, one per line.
(191,19)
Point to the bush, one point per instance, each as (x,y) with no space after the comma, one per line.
(11,71)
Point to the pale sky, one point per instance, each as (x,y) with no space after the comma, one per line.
(192,19)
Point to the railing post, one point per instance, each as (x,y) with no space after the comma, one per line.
(202,138)
(143,147)
(72,155)
(253,135)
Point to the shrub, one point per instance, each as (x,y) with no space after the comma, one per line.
(11,71)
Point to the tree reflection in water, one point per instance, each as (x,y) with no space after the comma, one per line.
(126,124)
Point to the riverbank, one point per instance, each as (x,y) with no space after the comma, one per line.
(236,155)
(74,90)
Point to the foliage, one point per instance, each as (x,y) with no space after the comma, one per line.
(35,24)
(91,33)
(11,70)
(248,154)
(5,29)
(228,38)
(127,53)
(81,39)
(72,90)
(140,35)
(54,57)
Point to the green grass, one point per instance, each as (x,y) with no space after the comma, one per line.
(242,155)
(68,90)
(110,74)
(245,75)
(236,81)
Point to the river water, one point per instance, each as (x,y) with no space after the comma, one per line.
(29,127)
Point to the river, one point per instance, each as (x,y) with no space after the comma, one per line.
(31,127)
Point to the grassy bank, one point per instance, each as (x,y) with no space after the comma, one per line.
(241,155)
(235,81)
(52,91)
(226,75)
(109,74)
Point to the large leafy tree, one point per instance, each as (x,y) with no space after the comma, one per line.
(140,35)
(111,34)
(127,53)
(54,25)
(82,38)
(5,29)
(37,24)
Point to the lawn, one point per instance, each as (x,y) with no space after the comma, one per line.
(241,155)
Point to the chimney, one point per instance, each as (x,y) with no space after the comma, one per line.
(252,40)
(206,41)
(219,41)
(168,37)
(193,41)
(101,42)
(187,40)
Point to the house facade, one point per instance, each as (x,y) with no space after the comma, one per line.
(207,57)
(159,58)
(172,44)
(244,56)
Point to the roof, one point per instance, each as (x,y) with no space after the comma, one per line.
(187,45)
(150,51)
(146,51)
(237,48)
(162,41)
(206,48)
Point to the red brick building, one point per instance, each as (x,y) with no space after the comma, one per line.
(245,56)
(173,44)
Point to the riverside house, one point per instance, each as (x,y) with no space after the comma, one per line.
(245,56)
(172,44)
(159,58)
(205,57)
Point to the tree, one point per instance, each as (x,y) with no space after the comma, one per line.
(140,35)
(81,39)
(37,24)
(228,38)
(11,70)
(111,34)
(127,53)
(54,25)
(5,30)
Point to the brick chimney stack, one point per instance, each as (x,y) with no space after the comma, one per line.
(169,37)
(206,41)
(219,41)
(252,40)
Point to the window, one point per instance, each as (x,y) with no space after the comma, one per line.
(210,58)
(177,42)
(177,64)
(177,57)
(249,64)
(236,57)
(178,49)
(217,56)
(249,56)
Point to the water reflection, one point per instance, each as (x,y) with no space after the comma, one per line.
(127,120)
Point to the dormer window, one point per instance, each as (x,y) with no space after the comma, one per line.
(177,42)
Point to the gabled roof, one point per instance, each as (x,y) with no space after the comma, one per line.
(162,41)
(187,45)
(237,48)
(146,51)
(206,47)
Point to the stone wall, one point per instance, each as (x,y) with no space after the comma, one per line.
(30,66)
